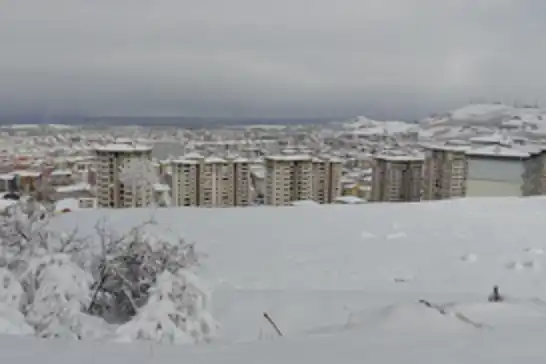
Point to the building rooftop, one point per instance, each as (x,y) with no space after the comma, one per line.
(123,148)
(400,158)
(289,158)
(77,187)
(215,160)
(185,161)
(498,151)
(447,147)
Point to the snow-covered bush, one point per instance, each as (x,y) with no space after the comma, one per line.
(11,292)
(58,292)
(12,322)
(135,285)
(137,174)
(132,266)
(23,234)
(177,311)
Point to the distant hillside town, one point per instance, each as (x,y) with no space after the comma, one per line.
(478,150)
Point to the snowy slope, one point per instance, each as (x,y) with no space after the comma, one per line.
(350,347)
(490,115)
(343,282)
(364,126)
(363,247)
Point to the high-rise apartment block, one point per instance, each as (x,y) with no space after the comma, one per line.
(301,177)
(397,178)
(111,191)
(326,179)
(445,172)
(211,182)
(288,178)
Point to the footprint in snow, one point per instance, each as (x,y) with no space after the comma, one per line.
(469,258)
(537,251)
(513,265)
(526,264)
(403,278)
(399,235)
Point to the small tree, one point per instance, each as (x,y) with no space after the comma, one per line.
(139,175)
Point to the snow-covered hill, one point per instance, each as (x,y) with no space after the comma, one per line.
(343,283)
(490,115)
(362,125)
(464,122)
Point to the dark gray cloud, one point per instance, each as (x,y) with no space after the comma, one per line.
(393,58)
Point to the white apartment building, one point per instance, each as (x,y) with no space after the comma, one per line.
(288,178)
(210,182)
(185,182)
(445,172)
(111,192)
(397,178)
(242,184)
(291,178)
(326,179)
(216,183)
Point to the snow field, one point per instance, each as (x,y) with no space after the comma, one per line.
(343,284)
(342,289)
(313,268)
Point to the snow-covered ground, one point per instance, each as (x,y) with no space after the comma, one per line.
(343,284)
(492,114)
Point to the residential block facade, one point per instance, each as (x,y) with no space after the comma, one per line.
(397,178)
(445,173)
(111,192)
(290,178)
(211,182)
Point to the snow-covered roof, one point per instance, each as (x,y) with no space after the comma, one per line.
(241,160)
(289,158)
(185,161)
(491,139)
(193,155)
(123,148)
(327,159)
(446,147)
(214,160)
(498,151)
(73,188)
(401,158)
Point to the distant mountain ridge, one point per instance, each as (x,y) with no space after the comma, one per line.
(181,121)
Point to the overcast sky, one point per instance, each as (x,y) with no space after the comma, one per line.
(384,58)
